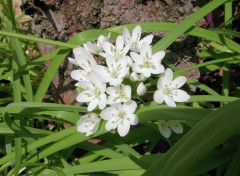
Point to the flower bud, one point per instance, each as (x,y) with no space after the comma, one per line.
(141,89)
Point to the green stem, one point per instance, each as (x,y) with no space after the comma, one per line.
(36,39)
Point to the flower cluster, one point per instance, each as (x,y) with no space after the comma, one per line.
(114,87)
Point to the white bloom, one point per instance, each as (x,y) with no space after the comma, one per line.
(120,93)
(120,116)
(168,89)
(134,39)
(85,60)
(95,48)
(94,93)
(136,77)
(115,70)
(146,63)
(117,51)
(141,89)
(165,127)
(88,124)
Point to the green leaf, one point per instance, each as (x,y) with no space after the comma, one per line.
(207,134)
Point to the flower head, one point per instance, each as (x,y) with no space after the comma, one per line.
(115,70)
(95,48)
(146,63)
(168,89)
(94,93)
(120,116)
(117,51)
(120,93)
(88,124)
(85,61)
(165,127)
(134,39)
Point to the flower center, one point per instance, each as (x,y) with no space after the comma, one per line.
(121,115)
(97,92)
(114,74)
(167,91)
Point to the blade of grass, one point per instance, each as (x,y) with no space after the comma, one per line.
(41,142)
(188,150)
(233,168)
(187,24)
(226,65)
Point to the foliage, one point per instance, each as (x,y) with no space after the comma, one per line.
(210,142)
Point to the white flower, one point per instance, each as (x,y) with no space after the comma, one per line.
(95,48)
(168,89)
(136,77)
(141,89)
(85,60)
(165,127)
(120,116)
(146,63)
(120,93)
(117,51)
(94,93)
(134,39)
(115,70)
(88,124)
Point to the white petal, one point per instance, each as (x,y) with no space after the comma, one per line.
(80,75)
(147,39)
(102,101)
(109,126)
(141,89)
(115,82)
(168,76)
(93,104)
(81,128)
(158,97)
(136,68)
(91,47)
(133,119)
(164,130)
(129,107)
(128,91)
(136,33)
(146,72)
(123,61)
(112,124)
(84,84)
(85,96)
(178,82)
(98,83)
(107,47)
(129,61)
(136,57)
(126,35)
(158,69)
(123,128)
(77,51)
(111,63)
(108,113)
(169,101)
(73,61)
(84,63)
(134,76)
(157,57)
(146,50)
(103,73)
(111,90)
(175,126)
(119,43)
(180,96)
